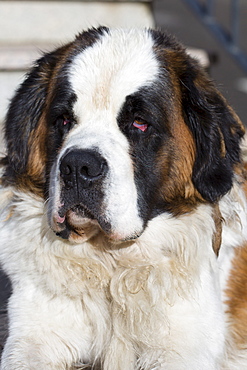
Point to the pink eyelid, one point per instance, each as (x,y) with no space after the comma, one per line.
(142,126)
(65,121)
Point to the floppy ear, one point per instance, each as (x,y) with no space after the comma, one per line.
(25,111)
(217,131)
(23,118)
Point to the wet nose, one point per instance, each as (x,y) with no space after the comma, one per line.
(82,167)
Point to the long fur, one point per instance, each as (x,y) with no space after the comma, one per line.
(144,284)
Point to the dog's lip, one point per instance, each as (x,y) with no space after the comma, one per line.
(74,224)
(78,209)
(76,217)
(80,221)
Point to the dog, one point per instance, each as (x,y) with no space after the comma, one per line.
(123,211)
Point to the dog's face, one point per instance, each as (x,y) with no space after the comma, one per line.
(116,128)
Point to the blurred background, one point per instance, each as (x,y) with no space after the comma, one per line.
(219,27)
(214,31)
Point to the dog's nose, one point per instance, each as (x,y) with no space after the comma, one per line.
(82,168)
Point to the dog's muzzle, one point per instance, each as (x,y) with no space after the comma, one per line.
(82,175)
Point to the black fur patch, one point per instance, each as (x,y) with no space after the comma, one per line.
(212,123)
(150,105)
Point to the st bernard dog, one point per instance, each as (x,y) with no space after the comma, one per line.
(123,212)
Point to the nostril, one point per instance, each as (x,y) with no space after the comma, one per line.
(95,170)
(67,170)
(85,172)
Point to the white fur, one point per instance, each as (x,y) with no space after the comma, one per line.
(159,298)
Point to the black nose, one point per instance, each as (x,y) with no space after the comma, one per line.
(82,168)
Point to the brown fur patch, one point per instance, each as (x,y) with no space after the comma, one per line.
(237,119)
(217,237)
(175,162)
(237,296)
(222,144)
(34,178)
(37,156)
(177,157)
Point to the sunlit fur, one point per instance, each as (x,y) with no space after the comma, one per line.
(142,276)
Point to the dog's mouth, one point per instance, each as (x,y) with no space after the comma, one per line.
(77,223)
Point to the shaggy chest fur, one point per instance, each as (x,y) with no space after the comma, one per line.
(130,300)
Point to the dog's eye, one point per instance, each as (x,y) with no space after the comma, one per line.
(66,121)
(140,125)
(63,124)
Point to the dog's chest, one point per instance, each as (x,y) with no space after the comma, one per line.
(131,294)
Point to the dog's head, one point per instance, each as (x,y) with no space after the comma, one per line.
(116,128)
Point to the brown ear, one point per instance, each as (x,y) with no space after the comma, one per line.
(25,130)
(22,118)
(216,128)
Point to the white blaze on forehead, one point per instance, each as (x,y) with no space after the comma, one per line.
(117,65)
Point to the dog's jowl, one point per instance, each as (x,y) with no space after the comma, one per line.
(123,214)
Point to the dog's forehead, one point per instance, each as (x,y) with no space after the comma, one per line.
(115,66)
